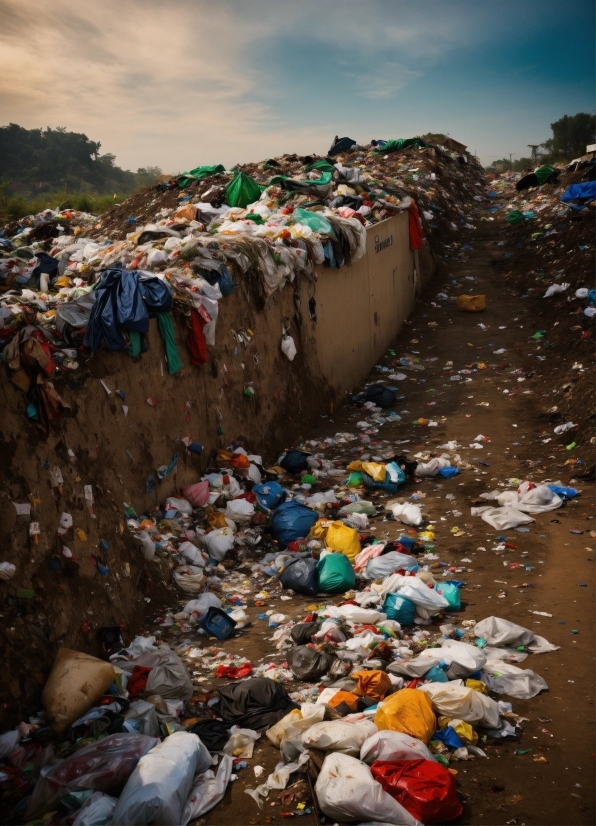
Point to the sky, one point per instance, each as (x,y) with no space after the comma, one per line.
(184,83)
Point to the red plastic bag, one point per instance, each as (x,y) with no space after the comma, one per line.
(425,788)
(234,672)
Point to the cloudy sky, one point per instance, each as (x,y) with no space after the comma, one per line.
(182,83)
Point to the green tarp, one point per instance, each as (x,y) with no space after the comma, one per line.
(199,173)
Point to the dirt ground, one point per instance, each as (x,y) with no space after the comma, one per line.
(554,782)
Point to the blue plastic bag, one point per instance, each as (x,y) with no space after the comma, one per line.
(563,492)
(447,472)
(399,608)
(269,495)
(448,736)
(436,675)
(292,520)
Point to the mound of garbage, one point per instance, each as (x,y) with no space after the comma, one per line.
(378,685)
(70,280)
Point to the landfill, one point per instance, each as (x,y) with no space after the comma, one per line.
(363,626)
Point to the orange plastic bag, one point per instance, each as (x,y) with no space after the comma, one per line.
(372,684)
(351,700)
(409,711)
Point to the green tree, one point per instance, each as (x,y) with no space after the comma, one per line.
(571,135)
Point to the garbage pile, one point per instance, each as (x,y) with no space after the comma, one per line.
(72,282)
(372,682)
(552,224)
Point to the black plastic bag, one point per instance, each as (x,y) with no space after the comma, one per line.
(302,576)
(308,664)
(379,394)
(303,631)
(295,461)
(257,703)
(212,733)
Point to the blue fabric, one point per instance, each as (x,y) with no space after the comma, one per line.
(579,192)
(124,299)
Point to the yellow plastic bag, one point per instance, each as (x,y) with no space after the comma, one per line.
(319,530)
(372,684)
(377,471)
(409,711)
(477,685)
(343,539)
(471,303)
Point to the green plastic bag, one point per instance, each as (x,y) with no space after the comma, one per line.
(451,594)
(322,165)
(242,191)
(355,480)
(401,143)
(543,173)
(322,181)
(317,222)
(336,574)
(198,174)
(515,217)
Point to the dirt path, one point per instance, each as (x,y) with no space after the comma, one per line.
(554,782)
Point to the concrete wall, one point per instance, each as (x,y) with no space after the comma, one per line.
(361,308)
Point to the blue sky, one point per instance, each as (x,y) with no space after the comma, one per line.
(192,82)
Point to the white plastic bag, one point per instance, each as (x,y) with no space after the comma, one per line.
(208,789)
(339,735)
(288,347)
(97,810)
(462,658)
(295,723)
(407,513)
(191,554)
(504,678)
(147,545)
(190,578)
(240,510)
(498,631)
(181,505)
(392,746)
(157,790)
(8,743)
(383,566)
(431,468)
(421,595)
(347,792)
(454,699)
(218,542)
(502,519)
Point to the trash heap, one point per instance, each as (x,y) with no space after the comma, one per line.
(371,682)
(71,283)
(552,225)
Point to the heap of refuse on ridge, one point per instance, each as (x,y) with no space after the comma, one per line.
(186,244)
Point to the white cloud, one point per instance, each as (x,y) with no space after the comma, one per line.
(183,82)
